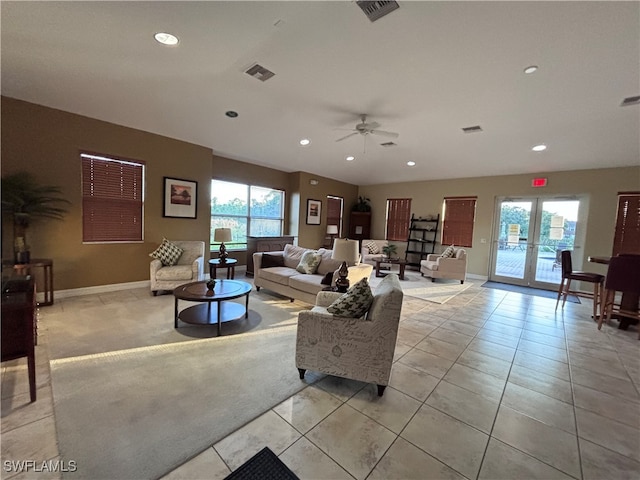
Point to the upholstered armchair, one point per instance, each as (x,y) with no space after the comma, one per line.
(356,348)
(368,249)
(437,266)
(189,267)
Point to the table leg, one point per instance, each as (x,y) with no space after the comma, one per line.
(212,272)
(401,276)
(175,314)
(219,318)
(233,272)
(246,307)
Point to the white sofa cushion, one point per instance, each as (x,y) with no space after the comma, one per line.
(175,272)
(327,264)
(306,283)
(293,255)
(279,275)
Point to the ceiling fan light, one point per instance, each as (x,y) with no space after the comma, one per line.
(539,148)
(304,142)
(166,38)
(350,158)
(531,69)
(411,163)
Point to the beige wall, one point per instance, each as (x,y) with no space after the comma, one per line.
(47,143)
(600,186)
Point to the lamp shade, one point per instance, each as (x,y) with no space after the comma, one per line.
(345,250)
(332,229)
(222,235)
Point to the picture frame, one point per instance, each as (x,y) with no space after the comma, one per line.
(180,198)
(314,209)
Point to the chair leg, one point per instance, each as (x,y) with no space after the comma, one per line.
(560,288)
(596,295)
(566,292)
(302,371)
(381,389)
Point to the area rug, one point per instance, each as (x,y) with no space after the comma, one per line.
(538,292)
(415,285)
(141,413)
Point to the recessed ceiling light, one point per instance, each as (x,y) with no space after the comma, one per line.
(304,142)
(231,114)
(350,158)
(539,148)
(531,69)
(166,38)
(411,163)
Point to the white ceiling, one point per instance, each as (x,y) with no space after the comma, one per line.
(426,70)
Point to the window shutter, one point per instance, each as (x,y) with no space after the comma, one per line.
(457,225)
(334,212)
(112,200)
(627,234)
(398,218)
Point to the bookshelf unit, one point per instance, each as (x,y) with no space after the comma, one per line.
(423,234)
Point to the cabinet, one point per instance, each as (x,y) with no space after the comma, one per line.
(360,226)
(264,244)
(423,235)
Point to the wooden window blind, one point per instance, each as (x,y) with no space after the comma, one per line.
(457,224)
(627,234)
(398,218)
(112,199)
(334,212)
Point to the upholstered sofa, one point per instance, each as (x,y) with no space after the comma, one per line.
(189,268)
(437,266)
(283,278)
(367,252)
(356,348)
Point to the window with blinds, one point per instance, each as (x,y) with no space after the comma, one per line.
(458,220)
(112,199)
(627,234)
(334,212)
(398,219)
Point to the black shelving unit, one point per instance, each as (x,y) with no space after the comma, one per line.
(423,234)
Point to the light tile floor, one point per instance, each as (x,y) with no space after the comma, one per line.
(490,385)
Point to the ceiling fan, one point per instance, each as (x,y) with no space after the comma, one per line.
(364,129)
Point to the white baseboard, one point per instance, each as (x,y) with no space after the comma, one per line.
(76,292)
(484,278)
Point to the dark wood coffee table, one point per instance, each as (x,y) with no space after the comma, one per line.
(394,261)
(215,307)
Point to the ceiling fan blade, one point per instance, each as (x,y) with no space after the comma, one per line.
(372,125)
(383,133)
(350,135)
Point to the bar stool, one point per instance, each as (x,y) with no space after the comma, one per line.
(623,275)
(568,275)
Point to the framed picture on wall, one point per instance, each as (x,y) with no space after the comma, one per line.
(180,198)
(314,209)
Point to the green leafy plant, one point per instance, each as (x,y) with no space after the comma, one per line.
(24,200)
(389,250)
(362,205)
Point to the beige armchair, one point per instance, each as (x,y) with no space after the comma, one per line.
(367,256)
(190,267)
(356,348)
(437,266)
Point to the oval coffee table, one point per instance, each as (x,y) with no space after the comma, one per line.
(215,307)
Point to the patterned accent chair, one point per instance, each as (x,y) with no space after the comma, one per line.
(190,267)
(355,348)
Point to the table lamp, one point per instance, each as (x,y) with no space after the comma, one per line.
(222,235)
(346,251)
(332,231)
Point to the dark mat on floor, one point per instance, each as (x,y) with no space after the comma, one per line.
(264,465)
(538,292)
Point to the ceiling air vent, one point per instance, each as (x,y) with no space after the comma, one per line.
(259,72)
(630,101)
(474,129)
(377,9)
(388,144)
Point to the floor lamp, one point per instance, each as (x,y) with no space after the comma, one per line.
(346,251)
(222,235)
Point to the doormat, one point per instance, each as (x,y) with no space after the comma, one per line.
(264,465)
(538,292)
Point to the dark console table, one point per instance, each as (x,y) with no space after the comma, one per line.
(24,269)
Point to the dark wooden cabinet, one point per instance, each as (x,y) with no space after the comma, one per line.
(264,244)
(360,226)
(19,325)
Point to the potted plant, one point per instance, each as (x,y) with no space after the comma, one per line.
(24,200)
(362,205)
(389,249)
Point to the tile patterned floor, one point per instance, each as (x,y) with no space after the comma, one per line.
(490,385)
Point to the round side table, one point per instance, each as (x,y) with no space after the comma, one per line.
(230,265)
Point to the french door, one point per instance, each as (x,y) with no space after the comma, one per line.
(530,233)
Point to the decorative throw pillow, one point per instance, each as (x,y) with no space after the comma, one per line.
(272,261)
(373,247)
(449,252)
(355,302)
(168,253)
(309,262)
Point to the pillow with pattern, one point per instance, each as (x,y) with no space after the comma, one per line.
(355,302)
(309,262)
(449,252)
(373,247)
(168,253)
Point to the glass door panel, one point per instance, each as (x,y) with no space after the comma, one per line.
(511,247)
